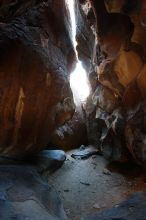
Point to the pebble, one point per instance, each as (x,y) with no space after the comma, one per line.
(86,184)
(67,211)
(97,206)
(106,172)
(66,190)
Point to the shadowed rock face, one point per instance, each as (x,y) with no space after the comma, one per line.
(36,56)
(85,37)
(121,72)
(132,209)
(107,22)
(23,195)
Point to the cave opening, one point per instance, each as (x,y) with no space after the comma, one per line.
(79,82)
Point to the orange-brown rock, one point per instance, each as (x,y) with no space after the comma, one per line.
(35,96)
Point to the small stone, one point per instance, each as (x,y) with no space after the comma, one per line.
(67,211)
(2,196)
(86,184)
(131,209)
(96,206)
(84,153)
(66,190)
(106,172)
(130,184)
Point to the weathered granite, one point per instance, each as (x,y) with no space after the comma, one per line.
(24,196)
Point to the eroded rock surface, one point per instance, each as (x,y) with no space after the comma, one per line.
(36,56)
(132,209)
(23,195)
(119,91)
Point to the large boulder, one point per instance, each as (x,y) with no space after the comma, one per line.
(36,56)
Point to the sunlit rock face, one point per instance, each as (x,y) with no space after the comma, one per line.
(36,55)
(78,77)
(74,132)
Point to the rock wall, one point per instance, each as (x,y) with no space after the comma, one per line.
(119,93)
(36,56)
(85,36)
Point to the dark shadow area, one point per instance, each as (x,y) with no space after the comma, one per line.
(128,169)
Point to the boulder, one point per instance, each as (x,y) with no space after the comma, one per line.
(36,56)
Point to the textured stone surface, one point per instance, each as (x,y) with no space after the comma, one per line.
(36,55)
(50,160)
(24,196)
(85,39)
(70,135)
(132,209)
(119,96)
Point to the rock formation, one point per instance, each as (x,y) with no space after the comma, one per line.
(35,60)
(119,96)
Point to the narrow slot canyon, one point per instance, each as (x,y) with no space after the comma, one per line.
(72,109)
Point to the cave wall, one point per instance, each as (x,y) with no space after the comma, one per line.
(137,12)
(36,56)
(85,37)
(119,90)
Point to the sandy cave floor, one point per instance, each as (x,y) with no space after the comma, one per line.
(91,185)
